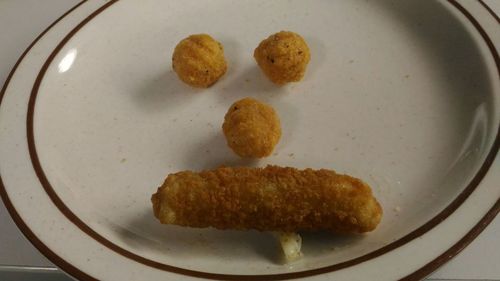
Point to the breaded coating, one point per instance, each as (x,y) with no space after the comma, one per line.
(283,57)
(199,60)
(267,199)
(252,128)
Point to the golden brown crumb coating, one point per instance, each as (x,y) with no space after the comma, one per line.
(283,57)
(199,60)
(267,199)
(252,128)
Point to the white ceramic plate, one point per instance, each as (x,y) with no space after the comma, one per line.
(404,94)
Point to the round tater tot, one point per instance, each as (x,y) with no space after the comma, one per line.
(199,60)
(283,57)
(252,128)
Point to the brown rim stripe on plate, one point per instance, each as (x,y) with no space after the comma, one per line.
(481,225)
(489,10)
(71,216)
(457,247)
(47,252)
(84,227)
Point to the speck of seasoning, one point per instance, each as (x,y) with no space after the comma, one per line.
(174,120)
(291,155)
(123,160)
(351,61)
(336,149)
(275,154)
(190,120)
(207,151)
(407,76)
(247,80)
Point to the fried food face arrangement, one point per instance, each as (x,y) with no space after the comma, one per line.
(283,57)
(281,200)
(273,198)
(252,128)
(199,60)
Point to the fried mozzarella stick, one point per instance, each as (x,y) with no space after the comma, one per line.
(267,199)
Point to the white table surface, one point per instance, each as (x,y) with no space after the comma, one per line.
(22,20)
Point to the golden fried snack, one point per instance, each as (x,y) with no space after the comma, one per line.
(252,128)
(283,57)
(199,60)
(267,199)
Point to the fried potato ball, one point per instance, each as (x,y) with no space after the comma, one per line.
(283,57)
(252,128)
(199,60)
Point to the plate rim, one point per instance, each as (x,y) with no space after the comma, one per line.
(72,270)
